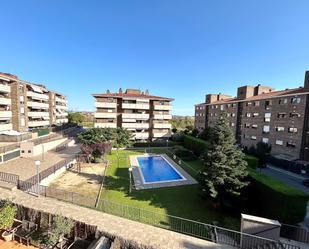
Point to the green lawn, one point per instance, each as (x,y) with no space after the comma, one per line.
(182,201)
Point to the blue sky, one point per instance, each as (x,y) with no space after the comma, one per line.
(174,48)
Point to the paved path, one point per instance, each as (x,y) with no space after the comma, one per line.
(115,226)
(14,245)
(25,168)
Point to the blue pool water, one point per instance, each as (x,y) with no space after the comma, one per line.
(156,169)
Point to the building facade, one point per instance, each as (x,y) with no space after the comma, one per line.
(145,115)
(25,106)
(259,113)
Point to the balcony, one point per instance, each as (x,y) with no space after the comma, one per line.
(5,114)
(135,116)
(6,127)
(38,114)
(135,106)
(57,99)
(162,116)
(5,101)
(159,134)
(105,125)
(105,104)
(37,105)
(135,125)
(105,115)
(162,125)
(63,114)
(61,121)
(61,107)
(141,135)
(38,96)
(163,107)
(5,88)
(38,123)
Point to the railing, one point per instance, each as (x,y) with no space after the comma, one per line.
(295,233)
(10,178)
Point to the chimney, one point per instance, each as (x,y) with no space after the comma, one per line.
(306,83)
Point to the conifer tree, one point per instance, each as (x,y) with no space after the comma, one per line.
(224,165)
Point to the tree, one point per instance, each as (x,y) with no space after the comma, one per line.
(206,134)
(262,151)
(224,164)
(7,214)
(174,130)
(60,227)
(194,132)
(122,138)
(76,118)
(96,135)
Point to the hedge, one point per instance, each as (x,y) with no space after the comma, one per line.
(275,200)
(197,145)
(252,161)
(156,144)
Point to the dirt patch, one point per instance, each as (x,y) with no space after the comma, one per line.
(87,182)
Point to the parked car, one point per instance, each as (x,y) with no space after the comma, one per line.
(306,182)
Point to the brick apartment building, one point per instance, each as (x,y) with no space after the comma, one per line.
(259,113)
(25,105)
(145,115)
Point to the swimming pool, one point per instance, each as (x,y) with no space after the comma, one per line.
(157,169)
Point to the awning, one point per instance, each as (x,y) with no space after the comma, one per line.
(36,89)
(46,118)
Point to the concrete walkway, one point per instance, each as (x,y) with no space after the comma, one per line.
(142,234)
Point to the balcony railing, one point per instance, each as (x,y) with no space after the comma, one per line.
(105,125)
(163,107)
(38,123)
(40,96)
(135,106)
(105,115)
(61,121)
(141,135)
(162,125)
(5,88)
(5,114)
(65,101)
(38,114)
(135,125)
(158,134)
(135,116)
(162,116)
(37,104)
(6,127)
(105,104)
(5,101)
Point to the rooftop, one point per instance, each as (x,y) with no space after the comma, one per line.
(131,93)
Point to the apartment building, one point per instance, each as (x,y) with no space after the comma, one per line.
(25,105)
(260,113)
(145,115)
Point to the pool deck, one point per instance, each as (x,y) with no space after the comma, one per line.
(138,177)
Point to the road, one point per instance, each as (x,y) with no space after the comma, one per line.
(287,177)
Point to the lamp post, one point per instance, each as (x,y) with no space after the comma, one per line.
(37,164)
(130,177)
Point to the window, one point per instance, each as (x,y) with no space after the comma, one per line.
(216,106)
(279,142)
(294,115)
(228,105)
(22,109)
(256,114)
(265,140)
(247,125)
(268,104)
(249,103)
(281,115)
(254,126)
(221,107)
(293,130)
(283,101)
(232,124)
(267,117)
(253,137)
(279,128)
(246,136)
(233,105)
(266,129)
(233,114)
(248,115)
(256,103)
(290,144)
(295,100)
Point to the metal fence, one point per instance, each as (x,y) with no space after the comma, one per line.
(10,178)
(295,233)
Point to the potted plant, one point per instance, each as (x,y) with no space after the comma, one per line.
(7,215)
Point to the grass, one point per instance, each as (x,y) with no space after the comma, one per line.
(183,201)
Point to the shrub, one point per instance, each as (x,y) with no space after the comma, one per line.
(60,227)
(183,153)
(7,214)
(177,137)
(275,200)
(252,161)
(198,146)
(155,144)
